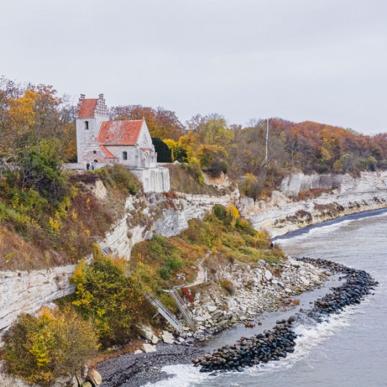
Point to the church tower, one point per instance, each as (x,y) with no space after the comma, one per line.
(90,114)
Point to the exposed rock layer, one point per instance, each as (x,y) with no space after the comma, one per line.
(347,195)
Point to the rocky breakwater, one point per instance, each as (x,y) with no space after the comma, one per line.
(273,344)
(357,285)
(250,290)
(277,343)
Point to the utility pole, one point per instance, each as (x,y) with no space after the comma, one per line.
(267,141)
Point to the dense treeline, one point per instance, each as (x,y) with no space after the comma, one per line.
(307,146)
(34,113)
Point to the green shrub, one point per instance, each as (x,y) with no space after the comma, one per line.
(250,186)
(245,226)
(170,265)
(53,344)
(107,297)
(40,169)
(223,214)
(216,167)
(118,176)
(195,170)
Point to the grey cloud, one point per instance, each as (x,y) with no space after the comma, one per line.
(323,60)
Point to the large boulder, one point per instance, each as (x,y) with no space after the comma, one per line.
(94,376)
(147,333)
(148,348)
(167,337)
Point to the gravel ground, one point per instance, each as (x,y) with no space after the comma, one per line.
(136,370)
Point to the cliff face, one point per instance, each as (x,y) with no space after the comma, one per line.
(26,292)
(168,215)
(344,195)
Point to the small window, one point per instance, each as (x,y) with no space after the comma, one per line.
(86,124)
(124,155)
(95,152)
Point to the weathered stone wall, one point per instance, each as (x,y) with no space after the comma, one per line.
(296,183)
(23,291)
(155,179)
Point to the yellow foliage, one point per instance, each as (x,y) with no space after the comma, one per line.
(54,343)
(55,224)
(233,211)
(22,110)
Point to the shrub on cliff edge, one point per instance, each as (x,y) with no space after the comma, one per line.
(41,348)
(107,297)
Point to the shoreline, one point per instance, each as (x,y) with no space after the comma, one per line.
(134,365)
(351,216)
(272,297)
(131,370)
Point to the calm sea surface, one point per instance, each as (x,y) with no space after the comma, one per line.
(349,350)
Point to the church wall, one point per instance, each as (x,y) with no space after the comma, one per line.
(145,140)
(87,138)
(154,179)
(131,150)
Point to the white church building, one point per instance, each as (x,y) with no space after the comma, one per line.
(101,141)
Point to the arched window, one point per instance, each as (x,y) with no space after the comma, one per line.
(124,155)
(86,124)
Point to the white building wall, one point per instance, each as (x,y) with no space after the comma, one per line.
(144,139)
(87,142)
(154,179)
(133,158)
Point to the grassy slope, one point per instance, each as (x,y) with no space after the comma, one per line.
(34,237)
(183,179)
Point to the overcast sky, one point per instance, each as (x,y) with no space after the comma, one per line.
(322,60)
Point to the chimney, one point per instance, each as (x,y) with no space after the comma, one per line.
(82,97)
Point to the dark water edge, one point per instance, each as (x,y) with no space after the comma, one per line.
(307,229)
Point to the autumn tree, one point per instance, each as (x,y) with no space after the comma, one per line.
(32,113)
(41,348)
(105,295)
(162,123)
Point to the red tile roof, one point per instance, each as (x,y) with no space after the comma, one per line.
(107,152)
(87,108)
(119,132)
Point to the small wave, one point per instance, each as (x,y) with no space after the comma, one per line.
(327,228)
(183,375)
(309,336)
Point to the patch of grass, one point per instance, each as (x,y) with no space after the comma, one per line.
(185,178)
(119,177)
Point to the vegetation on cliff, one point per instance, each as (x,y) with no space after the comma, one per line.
(106,295)
(164,262)
(41,348)
(109,301)
(45,213)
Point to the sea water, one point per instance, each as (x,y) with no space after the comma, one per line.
(347,350)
